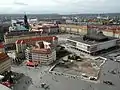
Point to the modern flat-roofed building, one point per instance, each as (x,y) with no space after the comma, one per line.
(93,42)
(5,62)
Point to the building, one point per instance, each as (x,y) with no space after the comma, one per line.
(11,37)
(22,44)
(2,49)
(48,28)
(108,30)
(41,52)
(93,42)
(19,25)
(5,62)
(71,28)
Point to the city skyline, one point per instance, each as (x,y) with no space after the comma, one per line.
(58,6)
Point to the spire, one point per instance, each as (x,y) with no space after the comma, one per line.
(26,22)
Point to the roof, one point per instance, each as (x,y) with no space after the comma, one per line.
(18,41)
(95,35)
(41,51)
(20,27)
(89,42)
(2,87)
(20,33)
(46,38)
(3,57)
(45,26)
(22,42)
(1,45)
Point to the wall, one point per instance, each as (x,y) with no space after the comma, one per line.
(82,29)
(82,46)
(44,59)
(13,39)
(69,28)
(106,45)
(5,66)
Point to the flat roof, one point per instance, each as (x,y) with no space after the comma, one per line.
(89,42)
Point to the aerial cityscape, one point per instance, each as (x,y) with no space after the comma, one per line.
(63,50)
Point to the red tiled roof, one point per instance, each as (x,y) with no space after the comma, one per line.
(18,42)
(22,42)
(1,45)
(48,38)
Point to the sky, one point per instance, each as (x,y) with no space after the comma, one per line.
(59,6)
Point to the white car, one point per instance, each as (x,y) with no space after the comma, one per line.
(84,75)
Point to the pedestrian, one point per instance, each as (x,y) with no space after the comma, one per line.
(104,74)
(90,86)
(23,87)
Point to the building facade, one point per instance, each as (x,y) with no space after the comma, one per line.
(108,30)
(2,49)
(91,47)
(48,28)
(42,53)
(22,44)
(5,62)
(11,37)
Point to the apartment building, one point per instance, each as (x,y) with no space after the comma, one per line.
(42,53)
(5,62)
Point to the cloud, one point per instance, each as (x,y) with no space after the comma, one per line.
(60,6)
(20,3)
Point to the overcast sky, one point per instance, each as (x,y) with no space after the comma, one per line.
(59,6)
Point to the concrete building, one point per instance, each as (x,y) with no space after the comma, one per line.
(22,44)
(2,49)
(92,43)
(41,53)
(5,62)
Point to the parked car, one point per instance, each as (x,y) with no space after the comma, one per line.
(108,82)
(93,78)
(45,86)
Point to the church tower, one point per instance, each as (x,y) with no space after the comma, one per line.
(26,22)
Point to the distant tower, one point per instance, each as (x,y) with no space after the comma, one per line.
(26,22)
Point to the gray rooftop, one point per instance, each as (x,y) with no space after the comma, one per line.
(90,42)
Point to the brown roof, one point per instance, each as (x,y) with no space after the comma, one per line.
(41,51)
(3,57)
